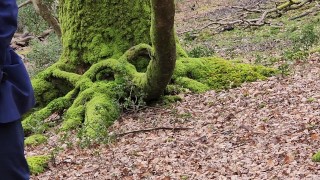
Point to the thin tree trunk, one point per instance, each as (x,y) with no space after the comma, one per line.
(162,65)
(47,15)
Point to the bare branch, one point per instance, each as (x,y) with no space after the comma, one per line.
(247,9)
(316,9)
(289,5)
(25,3)
(45,33)
(22,40)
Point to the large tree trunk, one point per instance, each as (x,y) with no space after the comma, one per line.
(101,43)
(91,33)
(98,30)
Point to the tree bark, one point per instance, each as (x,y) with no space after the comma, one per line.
(162,65)
(47,15)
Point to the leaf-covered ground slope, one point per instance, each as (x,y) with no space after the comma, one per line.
(261,130)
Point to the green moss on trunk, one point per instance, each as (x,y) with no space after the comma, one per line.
(93,31)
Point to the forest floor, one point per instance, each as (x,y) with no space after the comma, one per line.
(261,130)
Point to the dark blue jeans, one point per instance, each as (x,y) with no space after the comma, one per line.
(13,165)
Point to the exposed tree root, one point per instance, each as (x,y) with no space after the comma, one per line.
(93,99)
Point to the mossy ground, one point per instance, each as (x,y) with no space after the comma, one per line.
(266,45)
(316,157)
(35,140)
(202,74)
(38,164)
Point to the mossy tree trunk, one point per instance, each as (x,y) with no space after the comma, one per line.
(161,66)
(102,42)
(111,47)
(93,32)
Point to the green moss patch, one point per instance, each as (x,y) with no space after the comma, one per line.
(35,140)
(202,74)
(103,37)
(38,164)
(171,99)
(316,157)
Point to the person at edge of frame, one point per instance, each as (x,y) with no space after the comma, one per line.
(16,98)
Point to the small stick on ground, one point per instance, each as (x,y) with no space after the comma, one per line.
(153,129)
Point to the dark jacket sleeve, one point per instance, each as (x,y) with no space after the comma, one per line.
(16,93)
(8,25)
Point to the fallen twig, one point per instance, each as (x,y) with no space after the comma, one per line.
(153,129)
(313,10)
(247,9)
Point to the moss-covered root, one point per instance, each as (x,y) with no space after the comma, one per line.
(101,111)
(34,123)
(316,157)
(35,140)
(95,107)
(45,90)
(202,74)
(75,114)
(38,164)
(192,85)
